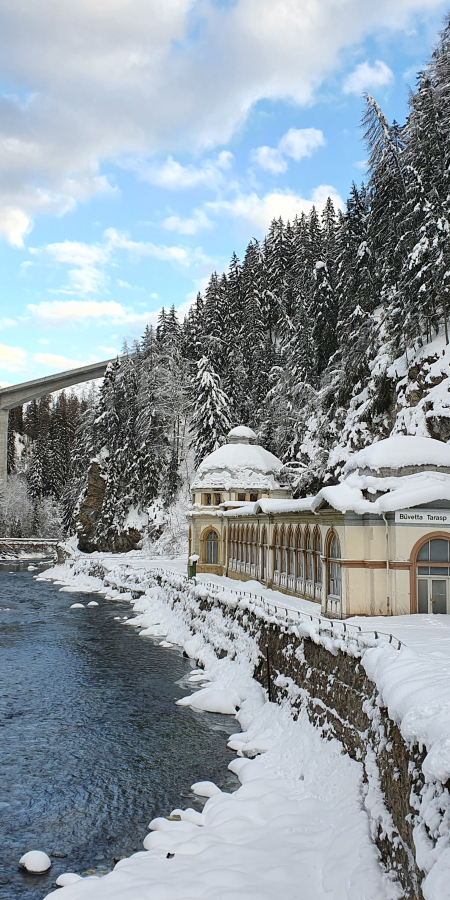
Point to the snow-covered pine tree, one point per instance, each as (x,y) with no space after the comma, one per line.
(82,452)
(253,337)
(214,323)
(15,430)
(356,299)
(388,195)
(211,411)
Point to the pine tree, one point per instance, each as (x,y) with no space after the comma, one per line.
(211,411)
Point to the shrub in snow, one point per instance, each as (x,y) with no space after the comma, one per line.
(35,861)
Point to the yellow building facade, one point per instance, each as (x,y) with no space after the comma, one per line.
(377,543)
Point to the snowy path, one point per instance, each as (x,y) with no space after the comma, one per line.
(179,566)
(296,828)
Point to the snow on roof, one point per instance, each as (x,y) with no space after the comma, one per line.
(354,495)
(399,451)
(235,466)
(273,506)
(244,432)
(401,492)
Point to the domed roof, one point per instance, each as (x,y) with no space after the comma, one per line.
(239,465)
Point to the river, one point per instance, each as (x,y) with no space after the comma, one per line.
(92,745)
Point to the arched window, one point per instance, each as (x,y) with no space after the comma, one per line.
(284,556)
(253,547)
(212,548)
(264,555)
(433,577)
(276,538)
(309,556)
(292,552)
(300,555)
(245,545)
(334,567)
(318,555)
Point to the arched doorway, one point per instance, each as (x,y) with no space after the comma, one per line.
(334,567)
(433,576)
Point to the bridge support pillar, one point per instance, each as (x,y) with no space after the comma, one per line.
(4,415)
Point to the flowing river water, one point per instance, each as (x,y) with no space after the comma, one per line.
(92,745)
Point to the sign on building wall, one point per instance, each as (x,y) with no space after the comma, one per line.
(422,517)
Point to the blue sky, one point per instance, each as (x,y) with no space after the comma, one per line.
(141,143)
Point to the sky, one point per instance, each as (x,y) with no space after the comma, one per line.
(142,142)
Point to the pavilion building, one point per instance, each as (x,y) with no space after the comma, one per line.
(377,543)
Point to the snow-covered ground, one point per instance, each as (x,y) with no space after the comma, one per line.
(297,827)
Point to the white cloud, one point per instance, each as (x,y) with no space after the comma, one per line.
(191,225)
(61,312)
(269,158)
(300,142)
(86,277)
(109,351)
(183,256)
(79,254)
(366,77)
(87,262)
(110,80)
(175,177)
(12,358)
(7,322)
(296,143)
(259,211)
(14,225)
(53,360)
(88,312)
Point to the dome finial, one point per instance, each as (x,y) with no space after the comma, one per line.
(242,435)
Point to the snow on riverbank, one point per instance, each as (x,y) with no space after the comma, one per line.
(296,828)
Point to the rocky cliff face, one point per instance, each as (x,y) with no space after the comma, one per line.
(410,395)
(90,509)
(89,518)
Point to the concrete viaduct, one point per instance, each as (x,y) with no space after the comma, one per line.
(18,394)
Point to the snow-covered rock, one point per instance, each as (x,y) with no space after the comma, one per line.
(205,789)
(213,700)
(67,878)
(35,861)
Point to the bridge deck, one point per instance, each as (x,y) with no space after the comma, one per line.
(18,394)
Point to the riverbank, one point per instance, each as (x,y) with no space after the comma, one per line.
(297,826)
